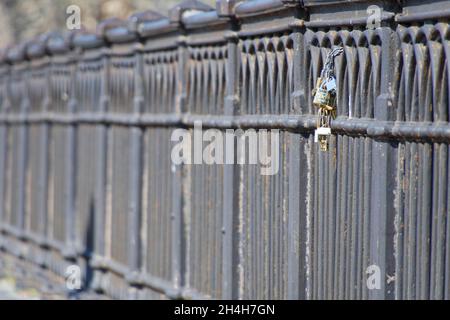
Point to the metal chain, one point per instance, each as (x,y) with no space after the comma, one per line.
(328,68)
(327,72)
(323,118)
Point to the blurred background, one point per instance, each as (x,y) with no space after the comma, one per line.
(21,20)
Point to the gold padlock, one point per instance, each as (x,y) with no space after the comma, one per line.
(324,98)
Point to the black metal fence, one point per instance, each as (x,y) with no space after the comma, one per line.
(86,176)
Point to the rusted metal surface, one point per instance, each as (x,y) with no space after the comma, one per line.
(86,176)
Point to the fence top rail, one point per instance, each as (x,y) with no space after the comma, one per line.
(192,16)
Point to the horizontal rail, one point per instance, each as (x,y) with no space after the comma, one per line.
(406,131)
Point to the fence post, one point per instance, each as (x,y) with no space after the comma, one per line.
(101,176)
(136,168)
(225,8)
(178,228)
(297,208)
(22,149)
(383,177)
(3,137)
(45,131)
(71,150)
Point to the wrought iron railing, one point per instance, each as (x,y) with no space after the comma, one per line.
(86,176)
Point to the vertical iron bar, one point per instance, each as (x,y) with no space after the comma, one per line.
(136,170)
(230,178)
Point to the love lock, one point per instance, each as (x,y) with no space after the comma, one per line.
(321,135)
(325,94)
(325,99)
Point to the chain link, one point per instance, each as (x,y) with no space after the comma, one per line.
(327,72)
(328,68)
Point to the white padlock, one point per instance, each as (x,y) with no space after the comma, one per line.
(322,131)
